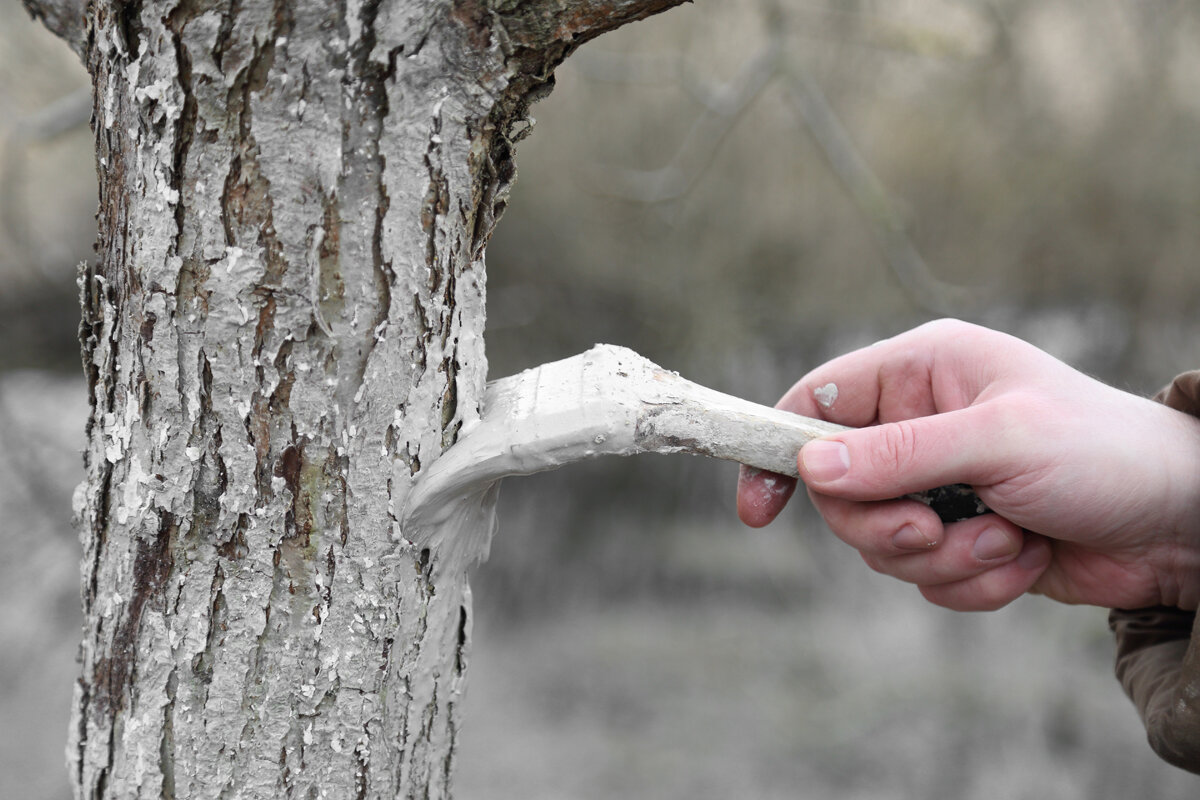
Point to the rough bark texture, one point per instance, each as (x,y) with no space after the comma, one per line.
(284,327)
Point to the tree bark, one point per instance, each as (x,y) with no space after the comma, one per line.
(63,18)
(284,328)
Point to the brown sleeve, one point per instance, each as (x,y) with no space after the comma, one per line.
(1158,649)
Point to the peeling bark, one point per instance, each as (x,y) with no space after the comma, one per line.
(283,330)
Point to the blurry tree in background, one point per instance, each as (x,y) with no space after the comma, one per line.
(47,193)
(686,192)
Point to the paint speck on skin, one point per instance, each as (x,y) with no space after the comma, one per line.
(760,499)
(775,487)
(826,395)
(767,491)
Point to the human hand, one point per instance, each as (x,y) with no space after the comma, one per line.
(1095,492)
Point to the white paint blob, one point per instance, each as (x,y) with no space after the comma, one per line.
(826,395)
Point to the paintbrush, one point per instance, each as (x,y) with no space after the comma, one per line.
(612,401)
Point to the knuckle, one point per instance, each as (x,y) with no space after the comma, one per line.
(876,563)
(968,596)
(990,601)
(946,597)
(937,596)
(999,589)
(947,327)
(904,368)
(897,446)
(958,334)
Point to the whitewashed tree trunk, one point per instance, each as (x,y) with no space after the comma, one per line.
(283,329)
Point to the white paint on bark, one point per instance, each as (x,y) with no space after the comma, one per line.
(284,327)
(290,301)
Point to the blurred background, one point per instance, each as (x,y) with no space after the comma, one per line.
(738,190)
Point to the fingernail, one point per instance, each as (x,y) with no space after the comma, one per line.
(825,461)
(910,538)
(993,544)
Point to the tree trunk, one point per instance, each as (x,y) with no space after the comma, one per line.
(284,328)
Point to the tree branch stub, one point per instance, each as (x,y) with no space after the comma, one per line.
(63,18)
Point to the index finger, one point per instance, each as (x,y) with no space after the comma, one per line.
(762,495)
(917,373)
(890,380)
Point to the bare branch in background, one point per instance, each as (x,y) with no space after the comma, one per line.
(879,31)
(871,198)
(723,107)
(563,25)
(56,118)
(63,18)
(32,481)
(721,111)
(650,69)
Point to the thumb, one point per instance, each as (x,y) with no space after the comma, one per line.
(892,459)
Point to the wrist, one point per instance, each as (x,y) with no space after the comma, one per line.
(1178,565)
